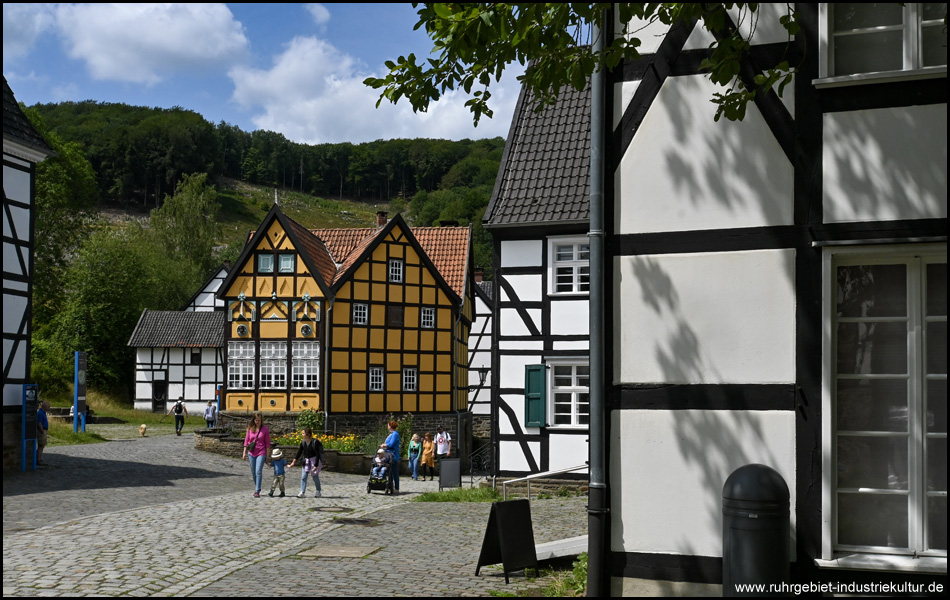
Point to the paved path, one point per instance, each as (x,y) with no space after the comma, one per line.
(154,516)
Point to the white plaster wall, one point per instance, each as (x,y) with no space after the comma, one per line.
(570,317)
(516,403)
(705,318)
(623,94)
(668,469)
(683,171)
(571,345)
(885,164)
(567,451)
(527,287)
(765,21)
(521,253)
(12,392)
(16,186)
(511,369)
(511,322)
(650,34)
(143,390)
(14,307)
(511,457)
(516,345)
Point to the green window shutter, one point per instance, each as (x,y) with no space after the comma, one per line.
(535,395)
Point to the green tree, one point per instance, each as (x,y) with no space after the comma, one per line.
(476,42)
(185,225)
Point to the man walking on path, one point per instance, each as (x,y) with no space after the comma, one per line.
(181,411)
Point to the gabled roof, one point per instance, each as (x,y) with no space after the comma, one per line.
(340,242)
(18,129)
(179,329)
(544,176)
(205,288)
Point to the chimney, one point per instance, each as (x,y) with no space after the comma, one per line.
(478,275)
(382,217)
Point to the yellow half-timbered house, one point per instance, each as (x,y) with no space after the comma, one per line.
(372,320)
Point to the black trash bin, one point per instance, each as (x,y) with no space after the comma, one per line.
(755,531)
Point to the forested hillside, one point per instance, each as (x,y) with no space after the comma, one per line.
(190,191)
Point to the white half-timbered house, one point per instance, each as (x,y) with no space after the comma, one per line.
(204,298)
(23,148)
(776,294)
(479,353)
(538,218)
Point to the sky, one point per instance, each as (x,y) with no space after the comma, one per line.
(296,69)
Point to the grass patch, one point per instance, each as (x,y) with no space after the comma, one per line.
(61,434)
(480,494)
(570,584)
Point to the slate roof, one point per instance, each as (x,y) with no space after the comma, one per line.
(544,175)
(17,127)
(179,329)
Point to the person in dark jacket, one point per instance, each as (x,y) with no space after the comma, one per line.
(311,451)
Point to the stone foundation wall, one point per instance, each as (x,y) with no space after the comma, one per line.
(12,442)
(481,426)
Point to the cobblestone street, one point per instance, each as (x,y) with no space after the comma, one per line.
(154,516)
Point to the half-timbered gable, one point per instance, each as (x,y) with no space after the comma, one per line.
(23,148)
(538,217)
(206,296)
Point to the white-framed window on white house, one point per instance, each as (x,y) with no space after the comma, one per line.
(428,318)
(410,379)
(395,270)
(569,398)
(570,265)
(305,366)
(376,379)
(360,314)
(867,40)
(240,365)
(273,365)
(885,397)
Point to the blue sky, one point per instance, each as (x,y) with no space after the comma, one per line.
(296,69)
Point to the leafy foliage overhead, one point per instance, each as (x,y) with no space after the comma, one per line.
(475,42)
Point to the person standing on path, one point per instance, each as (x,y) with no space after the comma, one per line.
(311,450)
(256,449)
(181,411)
(392,444)
(415,453)
(42,431)
(443,445)
(277,461)
(210,414)
(428,456)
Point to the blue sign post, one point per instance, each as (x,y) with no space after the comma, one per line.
(217,397)
(31,403)
(79,397)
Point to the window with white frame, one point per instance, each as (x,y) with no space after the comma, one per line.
(305,369)
(240,365)
(888,402)
(273,365)
(286,263)
(409,379)
(883,38)
(570,395)
(570,265)
(428,318)
(395,270)
(360,314)
(265,263)
(376,379)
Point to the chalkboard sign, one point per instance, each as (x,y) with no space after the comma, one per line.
(450,473)
(509,538)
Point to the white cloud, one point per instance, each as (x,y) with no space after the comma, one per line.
(314,94)
(144,43)
(22,24)
(319,13)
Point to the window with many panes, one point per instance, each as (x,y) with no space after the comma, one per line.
(286,263)
(887,388)
(570,395)
(570,266)
(409,379)
(360,314)
(305,368)
(273,365)
(395,270)
(240,365)
(265,263)
(883,37)
(428,318)
(375,379)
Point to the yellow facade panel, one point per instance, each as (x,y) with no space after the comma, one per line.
(358,361)
(412,274)
(298,326)
(360,290)
(341,314)
(443,363)
(340,361)
(238,402)
(375,403)
(410,341)
(286,244)
(379,294)
(359,335)
(427,278)
(410,359)
(344,293)
(234,330)
(412,256)
(394,403)
(443,382)
(341,381)
(396,250)
(445,341)
(264,287)
(425,382)
(273,329)
(395,293)
(394,340)
(426,363)
(444,318)
(411,317)
(362,274)
(269,402)
(358,381)
(443,299)
(248,267)
(377,339)
(306,285)
(285,286)
(340,403)
(428,296)
(358,402)
(301,402)
(426,403)
(443,402)
(376,358)
(241,285)
(393,380)
(412,295)
(378,271)
(393,363)
(410,403)
(426,341)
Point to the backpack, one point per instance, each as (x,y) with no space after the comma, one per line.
(179,407)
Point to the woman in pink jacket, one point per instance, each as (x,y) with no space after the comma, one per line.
(257,449)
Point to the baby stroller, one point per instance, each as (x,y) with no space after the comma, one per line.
(384,480)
